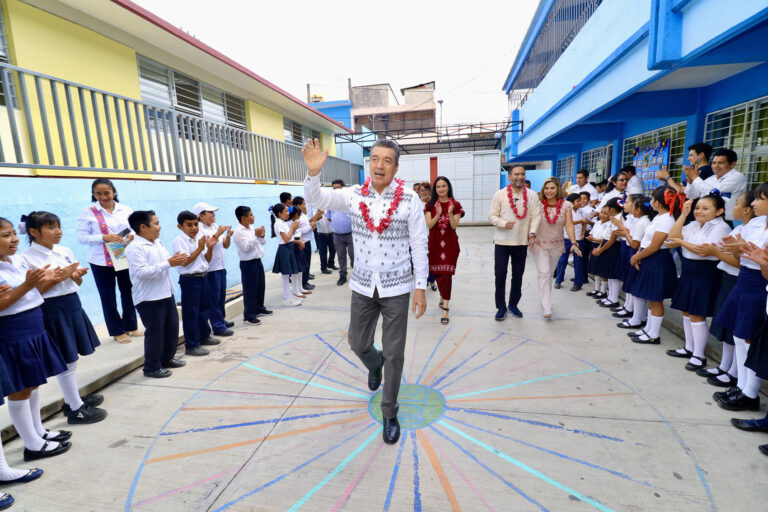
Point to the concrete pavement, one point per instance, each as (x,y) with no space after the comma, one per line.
(525,414)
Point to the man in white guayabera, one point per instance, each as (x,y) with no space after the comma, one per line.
(388,231)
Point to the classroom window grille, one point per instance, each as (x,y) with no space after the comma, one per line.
(5,59)
(597,162)
(565,169)
(296,133)
(677,152)
(744,129)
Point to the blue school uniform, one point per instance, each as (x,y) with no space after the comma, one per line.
(27,352)
(744,306)
(636,232)
(285,258)
(700,279)
(657,278)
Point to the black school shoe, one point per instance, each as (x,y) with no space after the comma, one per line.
(714,381)
(734,390)
(85,415)
(226,332)
(210,340)
(57,435)
(229,324)
(691,367)
(43,453)
(160,373)
(645,339)
(625,314)
(174,363)
(739,402)
(265,312)
(674,353)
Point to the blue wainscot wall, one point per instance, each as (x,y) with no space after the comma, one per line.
(67,197)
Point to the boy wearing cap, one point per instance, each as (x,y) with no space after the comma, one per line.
(216,279)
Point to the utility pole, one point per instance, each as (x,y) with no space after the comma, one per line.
(308,94)
(440,126)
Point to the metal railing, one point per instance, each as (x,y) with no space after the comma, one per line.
(49,123)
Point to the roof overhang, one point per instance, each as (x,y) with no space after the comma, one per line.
(149,35)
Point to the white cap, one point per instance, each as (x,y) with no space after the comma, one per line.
(203,207)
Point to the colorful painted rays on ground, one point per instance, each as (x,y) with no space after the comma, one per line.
(490,422)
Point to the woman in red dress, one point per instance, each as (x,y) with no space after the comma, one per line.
(443,213)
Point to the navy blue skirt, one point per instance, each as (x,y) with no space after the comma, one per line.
(723,334)
(69,326)
(608,262)
(698,287)
(622,266)
(298,254)
(594,261)
(657,278)
(757,357)
(745,305)
(631,276)
(285,261)
(5,383)
(29,355)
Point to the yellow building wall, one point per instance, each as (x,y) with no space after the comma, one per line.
(329,143)
(264,121)
(42,42)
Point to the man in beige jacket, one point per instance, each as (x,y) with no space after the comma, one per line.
(516,222)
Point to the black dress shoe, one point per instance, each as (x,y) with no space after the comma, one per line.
(608,305)
(714,381)
(374,376)
(750,425)
(311,276)
(308,286)
(733,390)
(391,432)
(704,372)
(210,340)
(763,449)
(646,340)
(341,281)
(326,271)
(93,400)
(600,295)
(674,353)
(592,293)
(626,314)
(174,363)
(57,435)
(43,453)
(515,311)
(160,373)
(617,309)
(692,367)
(197,352)
(739,402)
(265,312)
(626,325)
(228,332)
(229,324)
(333,266)
(575,288)
(558,286)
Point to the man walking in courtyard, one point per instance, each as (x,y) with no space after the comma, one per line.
(515,212)
(388,232)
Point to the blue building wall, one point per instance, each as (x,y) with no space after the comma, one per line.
(67,197)
(341,111)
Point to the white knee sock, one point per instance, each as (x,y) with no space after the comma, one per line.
(597,284)
(604,286)
(732,371)
(653,328)
(296,282)
(286,287)
(640,306)
(613,290)
(727,359)
(21,417)
(700,335)
(34,410)
(688,330)
(68,384)
(740,350)
(753,384)
(629,303)
(6,472)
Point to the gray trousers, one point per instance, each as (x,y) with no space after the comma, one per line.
(362,326)
(343,244)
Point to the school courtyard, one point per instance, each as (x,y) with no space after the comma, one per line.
(525,414)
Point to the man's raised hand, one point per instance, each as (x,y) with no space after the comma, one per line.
(314,157)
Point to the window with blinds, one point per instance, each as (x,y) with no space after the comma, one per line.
(598,162)
(169,89)
(744,129)
(677,153)
(565,168)
(296,133)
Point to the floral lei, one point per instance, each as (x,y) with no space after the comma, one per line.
(387,220)
(443,220)
(512,202)
(557,210)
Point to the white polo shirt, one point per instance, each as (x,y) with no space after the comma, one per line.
(218,258)
(148,266)
(184,243)
(14,273)
(38,256)
(249,246)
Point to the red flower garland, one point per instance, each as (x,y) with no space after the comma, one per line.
(546,207)
(387,220)
(512,202)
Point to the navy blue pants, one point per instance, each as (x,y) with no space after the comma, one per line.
(585,246)
(326,249)
(306,254)
(195,309)
(105,278)
(562,264)
(217,291)
(252,276)
(502,255)
(161,331)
